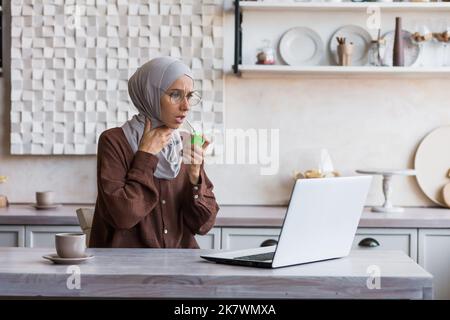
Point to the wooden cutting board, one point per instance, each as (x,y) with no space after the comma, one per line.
(432,163)
(446,194)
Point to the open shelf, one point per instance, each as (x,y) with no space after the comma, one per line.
(249,71)
(342,6)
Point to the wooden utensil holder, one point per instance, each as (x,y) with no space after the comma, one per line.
(345,52)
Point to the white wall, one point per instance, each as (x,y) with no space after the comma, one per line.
(363,123)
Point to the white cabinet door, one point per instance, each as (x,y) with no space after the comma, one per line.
(434,256)
(245,238)
(387,239)
(211,240)
(44,236)
(12,236)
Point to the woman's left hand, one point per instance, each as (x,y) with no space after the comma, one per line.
(194,158)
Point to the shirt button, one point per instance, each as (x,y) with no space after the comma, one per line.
(196,196)
(165,231)
(195,188)
(163,201)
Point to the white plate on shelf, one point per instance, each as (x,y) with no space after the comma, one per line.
(412,50)
(432,163)
(301,46)
(359,37)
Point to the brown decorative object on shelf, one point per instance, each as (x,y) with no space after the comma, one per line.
(417,37)
(344,51)
(442,36)
(398,57)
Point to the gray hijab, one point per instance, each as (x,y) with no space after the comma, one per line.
(145,88)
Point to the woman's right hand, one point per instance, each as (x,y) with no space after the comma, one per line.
(154,140)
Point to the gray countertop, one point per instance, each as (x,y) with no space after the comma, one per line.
(239,216)
(181,273)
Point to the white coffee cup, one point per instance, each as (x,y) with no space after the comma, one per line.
(44,198)
(70,245)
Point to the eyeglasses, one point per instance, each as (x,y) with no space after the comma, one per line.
(177,96)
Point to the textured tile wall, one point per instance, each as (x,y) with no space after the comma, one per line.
(71,60)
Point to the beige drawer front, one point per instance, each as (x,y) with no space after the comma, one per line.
(245,238)
(388,239)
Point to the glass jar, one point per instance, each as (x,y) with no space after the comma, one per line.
(266,54)
(376,52)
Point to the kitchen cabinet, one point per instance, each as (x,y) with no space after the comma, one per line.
(44,236)
(434,256)
(211,240)
(245,238)
(387,239)
(12,236)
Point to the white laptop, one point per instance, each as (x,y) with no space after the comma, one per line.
(320,224)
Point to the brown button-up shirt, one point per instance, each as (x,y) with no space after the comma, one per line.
(134,209)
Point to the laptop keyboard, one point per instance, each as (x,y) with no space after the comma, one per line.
(257,257)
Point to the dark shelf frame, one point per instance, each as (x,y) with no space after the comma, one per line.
(237,37)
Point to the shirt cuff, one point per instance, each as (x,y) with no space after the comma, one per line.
(144,161)
(197,190)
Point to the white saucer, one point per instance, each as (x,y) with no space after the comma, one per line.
(54,258)
(46,206)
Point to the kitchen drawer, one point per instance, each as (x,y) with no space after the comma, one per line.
(388,239)
(12,236)
(244,238)
(44,236)
(434,256)
(211,240)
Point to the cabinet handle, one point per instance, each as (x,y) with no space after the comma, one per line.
(268,243)
(368,242)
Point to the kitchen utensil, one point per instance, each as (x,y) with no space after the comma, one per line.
(411,49)
(58,260)
(353,34)
(46,207)
(387,186)
(44,198)
(345,52)
(70,245)
(301,46)
(432,161)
